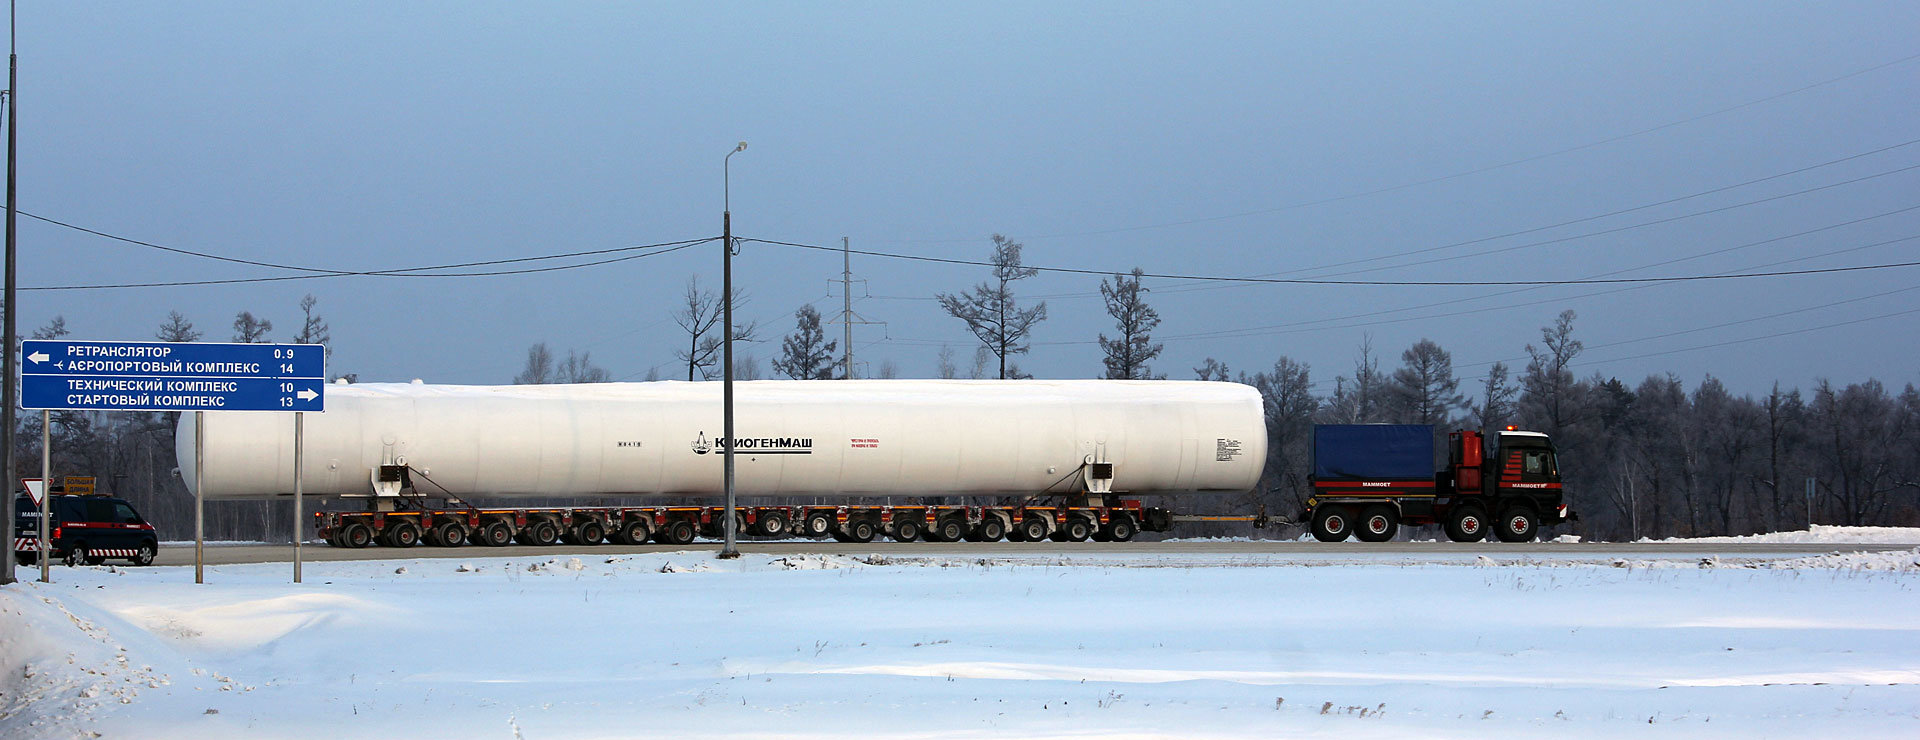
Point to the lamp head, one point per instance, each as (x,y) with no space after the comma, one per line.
(741,148)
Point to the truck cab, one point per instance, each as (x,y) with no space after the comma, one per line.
(84,529)
(1512,486)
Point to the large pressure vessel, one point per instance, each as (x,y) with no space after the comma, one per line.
(851,438)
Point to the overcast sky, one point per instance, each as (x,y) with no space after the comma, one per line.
(1187,138)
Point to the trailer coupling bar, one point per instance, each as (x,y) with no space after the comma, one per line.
(1259,520)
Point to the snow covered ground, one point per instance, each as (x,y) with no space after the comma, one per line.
(1819,534)
(942,646)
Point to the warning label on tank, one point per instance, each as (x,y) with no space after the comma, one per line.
(1225,450)
(859,444)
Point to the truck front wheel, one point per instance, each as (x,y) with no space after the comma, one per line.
(1378,523)
(1517,524)
(1467,524)
(1331,524)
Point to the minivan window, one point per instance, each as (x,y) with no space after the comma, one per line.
(123,514)
(99,511)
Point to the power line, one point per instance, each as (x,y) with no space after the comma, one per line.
(1456,175)
(416,271)
(1317,281)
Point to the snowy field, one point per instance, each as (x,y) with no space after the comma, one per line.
(1023,646)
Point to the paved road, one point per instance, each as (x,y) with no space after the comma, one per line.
(1269,550)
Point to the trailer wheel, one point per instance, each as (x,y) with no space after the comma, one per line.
(356,535)
(1121,528)
(1378,523)
(404,534)
(677,532)
(948,529)
(1033,529)
(1077,529)
(495,533)
(589,533)
(1331,524)
(633,532)
(1467,524)
(1517,524)
(448,534)
(860,531)
(906,530)
(991,529)
(818,524)
(771,524)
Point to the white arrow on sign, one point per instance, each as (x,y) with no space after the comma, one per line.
(306,394)
(39,357)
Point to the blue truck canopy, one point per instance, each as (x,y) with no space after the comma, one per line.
(1373,452)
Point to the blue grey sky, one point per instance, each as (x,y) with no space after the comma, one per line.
(1180,138)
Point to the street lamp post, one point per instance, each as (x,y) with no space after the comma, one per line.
(731,524)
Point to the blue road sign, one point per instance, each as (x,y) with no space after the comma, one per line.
(172,376)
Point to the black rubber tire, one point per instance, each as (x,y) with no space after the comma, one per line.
(589,533)
(861,531)
(771,524)
(144,554)
(991,529)
(542,533)
(678,532)
(76,554)
(1517,524)
(356,535)
(1378,523)
(1033,529)
(634,532)
(448,534)
(906,530)
(1121,528)
(404,534)
(948,529)
(1332,523)
(333,539)
(1467,524)
(1076,529)
(817,524)
(495,533)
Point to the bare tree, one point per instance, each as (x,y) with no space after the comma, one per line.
(1127,356)
(177,329)
(888,370)
(698,317)
(313,329)
(1496,399)
(1212,369)
(1423,390)
(945,368)
(248,330)
(746,367)
(982,359)
(579,368)
(806,354)
(54,329)
(991,312)
(1549,396)
(539,369)
(1290,405)
(1360,399)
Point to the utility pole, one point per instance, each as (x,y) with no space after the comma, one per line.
(11,355)
(731,525)
(846,304)
(847,317)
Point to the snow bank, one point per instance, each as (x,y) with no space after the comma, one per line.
(1820,533)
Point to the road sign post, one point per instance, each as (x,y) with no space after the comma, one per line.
(46,498)
(174,376)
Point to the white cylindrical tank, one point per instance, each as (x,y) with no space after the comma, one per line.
(856,438)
